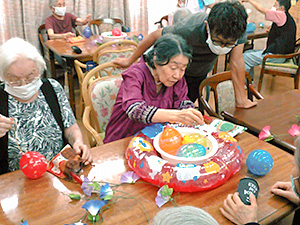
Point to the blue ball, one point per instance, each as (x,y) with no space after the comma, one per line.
(87,32)
(259,162)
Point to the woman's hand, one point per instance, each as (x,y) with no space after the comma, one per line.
(80,148)
(237,212)
(122,62)
(189,117)
(284,189)
(5,125)
(68,35)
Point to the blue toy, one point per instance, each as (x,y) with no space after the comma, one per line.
(259,162)
(87,32)
(250,27)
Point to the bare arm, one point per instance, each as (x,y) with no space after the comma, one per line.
(257,6)
(74,136)
(237,68)
(188,116)
(80,21)
(53,36)
(143,46)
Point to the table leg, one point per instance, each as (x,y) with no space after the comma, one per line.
(69,83)
(52,65)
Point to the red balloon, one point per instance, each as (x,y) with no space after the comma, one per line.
(33,164)
(116,32)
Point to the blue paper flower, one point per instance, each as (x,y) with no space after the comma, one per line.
(24,222)
(93,206)
(129,177)
(106,193)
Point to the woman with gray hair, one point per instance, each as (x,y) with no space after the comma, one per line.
(185,215)
(38,110)
(154,91)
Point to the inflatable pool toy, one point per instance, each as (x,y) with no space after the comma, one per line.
(211,169)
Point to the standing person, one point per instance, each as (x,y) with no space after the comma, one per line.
(281,38)
(60,24)
(220,32)
(35,115)
(154,91)
(199,5)
(239,213)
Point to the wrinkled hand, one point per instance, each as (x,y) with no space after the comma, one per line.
(246,104)
(80,148)
(237,212)
(122,62)
(88,18)
(5,125)
(68,35)
(284,189)
(189,116)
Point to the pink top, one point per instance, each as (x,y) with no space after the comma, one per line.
(278,17)
(61,26)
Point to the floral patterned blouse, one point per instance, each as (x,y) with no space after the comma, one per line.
(37,129)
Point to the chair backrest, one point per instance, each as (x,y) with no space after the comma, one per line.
(222,87)
(42,38)
(100,87)
(99,26)
(114,49)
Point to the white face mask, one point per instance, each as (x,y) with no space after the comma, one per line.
(60,11)
(217,49)
(24,92)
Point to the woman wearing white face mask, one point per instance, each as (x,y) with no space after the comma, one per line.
(38,109)
(60,24)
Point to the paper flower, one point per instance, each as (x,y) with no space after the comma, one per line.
(86,187)
(265,134)
(106,193)
(294,130)
(24,222)
(93,207)
(129,177)
(163,195)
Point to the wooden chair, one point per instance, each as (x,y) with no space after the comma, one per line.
(100,87)
(163,22)
(290,68)
(224,97)
(114,49)
(105,24)
(81,72)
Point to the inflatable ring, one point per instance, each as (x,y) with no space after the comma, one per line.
(144,160)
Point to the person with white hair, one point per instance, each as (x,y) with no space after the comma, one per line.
(184,215)
(35,114)
(60,24)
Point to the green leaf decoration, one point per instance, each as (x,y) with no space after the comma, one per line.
(96,186)
(166,191)
(93,218)
(269,138)
(74,196)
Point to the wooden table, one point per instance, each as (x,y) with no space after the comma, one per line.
(44,201)
(277,111)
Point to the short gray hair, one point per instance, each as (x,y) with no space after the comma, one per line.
(184,215)
(52,3)
(15,48)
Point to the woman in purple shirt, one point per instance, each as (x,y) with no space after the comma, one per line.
(154,91)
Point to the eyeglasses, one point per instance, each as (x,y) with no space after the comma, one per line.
(19,83)
(293,184)
(220,43)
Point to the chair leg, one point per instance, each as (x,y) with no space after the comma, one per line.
(260,79)
(296,81)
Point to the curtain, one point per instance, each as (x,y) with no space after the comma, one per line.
(22,18)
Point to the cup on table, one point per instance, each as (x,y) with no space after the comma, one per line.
(246,186)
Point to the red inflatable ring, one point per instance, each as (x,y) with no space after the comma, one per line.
(144,160)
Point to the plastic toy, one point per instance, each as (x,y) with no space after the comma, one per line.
(170,140)
(116,32)
(259,162)
(33,164)
(191,150)
(87,32)
(210,173)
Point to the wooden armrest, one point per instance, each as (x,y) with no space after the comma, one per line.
(255,92)
(208,108)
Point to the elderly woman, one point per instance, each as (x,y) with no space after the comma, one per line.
(239,213)
(35,114)
(154,91)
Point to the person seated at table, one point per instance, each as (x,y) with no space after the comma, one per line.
(154,91)
(239,213)
(35,115)
(60,24)
(184,215)
(281,38)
